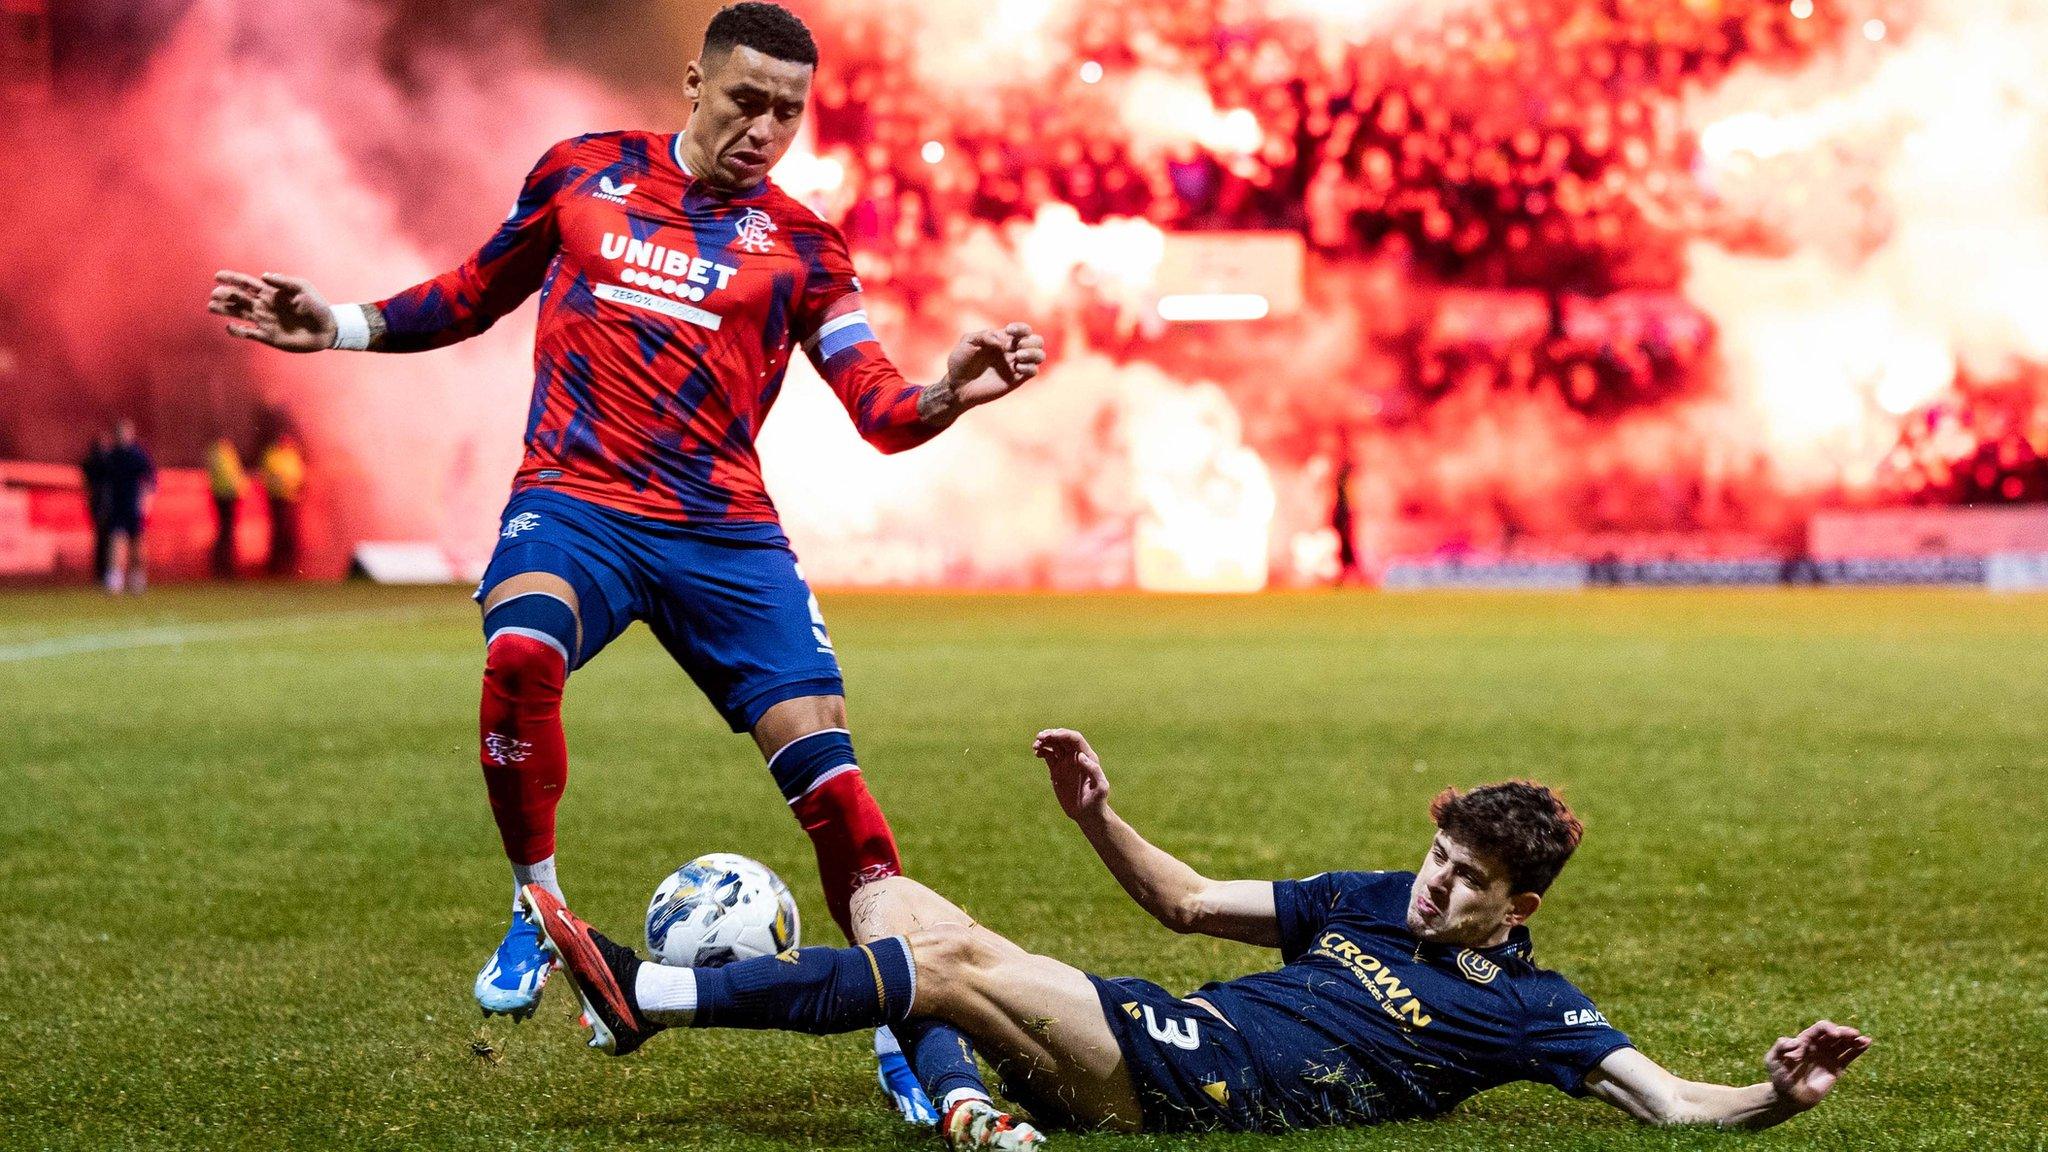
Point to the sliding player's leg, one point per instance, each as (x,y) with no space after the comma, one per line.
(738,616)
(543,616)
(1040,1021)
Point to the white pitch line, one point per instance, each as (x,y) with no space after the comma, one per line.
(176,635)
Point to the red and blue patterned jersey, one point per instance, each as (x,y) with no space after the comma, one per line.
(668,313)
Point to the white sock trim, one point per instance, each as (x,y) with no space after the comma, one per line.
(958,1094)
(666,995)
(910,962)
(828,774)
(801,739)
(556,597)
(530,634)
(351,327)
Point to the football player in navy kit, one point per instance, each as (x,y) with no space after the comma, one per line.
(1399,995)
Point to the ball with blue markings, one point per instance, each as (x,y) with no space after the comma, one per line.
(720,908)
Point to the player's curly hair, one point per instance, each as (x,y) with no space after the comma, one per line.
(1521,823)
(769,29)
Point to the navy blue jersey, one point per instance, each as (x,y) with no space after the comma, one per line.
(128,474)
(1367,1022)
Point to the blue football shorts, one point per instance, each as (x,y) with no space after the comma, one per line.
(1193,1071)
(726,600)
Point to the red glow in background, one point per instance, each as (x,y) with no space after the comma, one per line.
(1580,276)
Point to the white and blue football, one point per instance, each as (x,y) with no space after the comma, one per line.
(719,908)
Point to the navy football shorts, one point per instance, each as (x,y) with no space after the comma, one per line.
(1193,1071)
(726,601)
(127,521)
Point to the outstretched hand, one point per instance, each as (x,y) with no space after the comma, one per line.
(1804,1068)
(1077,777)
(992,363)
(281,311)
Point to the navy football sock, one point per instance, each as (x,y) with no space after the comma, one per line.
(810,760)
(941,1057)
(815,990)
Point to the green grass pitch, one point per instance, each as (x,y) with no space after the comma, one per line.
(248,872)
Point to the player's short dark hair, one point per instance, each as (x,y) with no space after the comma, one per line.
(769,29)
(1524,825)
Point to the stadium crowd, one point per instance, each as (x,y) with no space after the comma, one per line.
(1521,144)
(1604,369)
(1987,446)
(1511,145)
(1532,142)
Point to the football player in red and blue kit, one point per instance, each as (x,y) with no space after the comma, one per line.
(676,283)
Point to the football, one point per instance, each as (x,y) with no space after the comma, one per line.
(719,908)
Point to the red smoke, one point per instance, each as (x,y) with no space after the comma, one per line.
(1832,217)
(1835,248)
(272,136)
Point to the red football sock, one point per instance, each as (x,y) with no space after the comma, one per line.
(524,755)
(852,838)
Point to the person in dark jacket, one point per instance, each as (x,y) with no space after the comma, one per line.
(94,471)
(130,482)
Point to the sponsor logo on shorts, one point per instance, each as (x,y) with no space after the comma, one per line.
(524,522)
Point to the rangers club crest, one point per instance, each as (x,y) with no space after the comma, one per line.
(505,750)
(752,231)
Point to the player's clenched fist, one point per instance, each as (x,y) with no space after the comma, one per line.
(281,311)
(1077,777)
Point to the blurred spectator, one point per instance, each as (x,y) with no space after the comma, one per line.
(1343,520)
(93,477)
(283,469)
(130,480)
(224,476)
